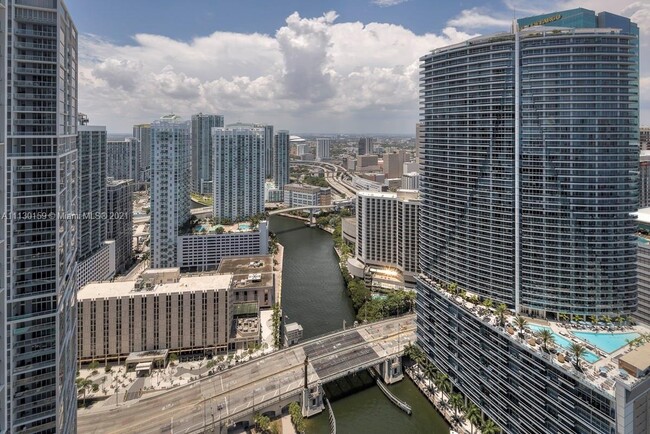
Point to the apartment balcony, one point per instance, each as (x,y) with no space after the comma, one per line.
(37,33)
(35,58)
(33,46)
(35,96)
(35,71)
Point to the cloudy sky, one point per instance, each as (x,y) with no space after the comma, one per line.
(303,65)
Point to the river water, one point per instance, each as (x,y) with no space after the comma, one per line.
(313,294)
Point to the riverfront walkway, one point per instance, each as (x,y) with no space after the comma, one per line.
(250,387)
(440,402)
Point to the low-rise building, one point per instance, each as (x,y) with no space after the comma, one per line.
(203,248)
(306,195)
(166,311)
(253,278)
(292,334)
(367,184)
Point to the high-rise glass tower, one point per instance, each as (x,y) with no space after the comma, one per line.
(91,157)
(268,149)
(170,187)
(281,159)
(202,151)
(239,171)
(529,164)
(323,148)
(123,159)
(529,161)
(142,133)
(38,312)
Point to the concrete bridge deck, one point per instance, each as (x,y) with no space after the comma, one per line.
(266,383)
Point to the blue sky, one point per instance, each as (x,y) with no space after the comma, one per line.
(304,65)
(119,19)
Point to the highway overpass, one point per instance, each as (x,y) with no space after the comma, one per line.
(264,385)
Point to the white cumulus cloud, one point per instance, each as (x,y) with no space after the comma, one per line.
(314,74)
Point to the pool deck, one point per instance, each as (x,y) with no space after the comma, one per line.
(591,372)
(608,361)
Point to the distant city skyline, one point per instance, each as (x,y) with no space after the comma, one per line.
(303,66)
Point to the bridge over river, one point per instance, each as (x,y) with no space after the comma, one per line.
(264,385)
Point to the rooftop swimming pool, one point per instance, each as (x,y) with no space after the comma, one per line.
(608,342)
(565,343)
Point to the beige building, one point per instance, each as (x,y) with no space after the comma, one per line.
(306,195)
(161,310)
(386,246)
(253,279)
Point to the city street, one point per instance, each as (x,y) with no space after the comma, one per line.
(239,390)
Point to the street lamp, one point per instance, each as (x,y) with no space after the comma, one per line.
(219,407)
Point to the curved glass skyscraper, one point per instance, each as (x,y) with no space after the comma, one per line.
(528,178)
(530,152)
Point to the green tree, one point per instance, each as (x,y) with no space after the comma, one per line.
(93,365)
(263,423)
(456,402)
(593,319)
(276,321)
(442,383)
(487,304)
(430,372)
(547,338)
(489,427)
(521,324)
(500,311)
(83,384)
(578,351)
(473,414)
(173,358)
(295,411)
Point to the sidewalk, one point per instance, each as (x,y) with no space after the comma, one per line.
(287,426)
(438,401)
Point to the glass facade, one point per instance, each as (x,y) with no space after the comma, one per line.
(529,165)
(41,190)
(467,179)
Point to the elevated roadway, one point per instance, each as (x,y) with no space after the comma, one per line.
(264,385)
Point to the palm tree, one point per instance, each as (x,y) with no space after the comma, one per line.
(456,402)
(593,319)
(489,427)
(452,287)
(606,319)
(547,338)
(442,383)
(501,313)
(620,320)
(521,324)
(430,372)
(83,384)
(578,352)
(473,414)
(487,304)
(563,317)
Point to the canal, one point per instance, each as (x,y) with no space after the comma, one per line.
(314,294)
